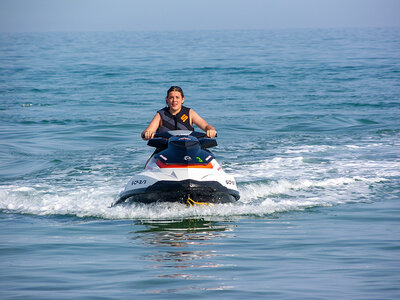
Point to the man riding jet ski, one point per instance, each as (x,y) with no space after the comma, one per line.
(181,170)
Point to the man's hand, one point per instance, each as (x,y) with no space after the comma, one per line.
(147,134)
(211,133)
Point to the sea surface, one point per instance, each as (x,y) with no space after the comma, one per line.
(308,123)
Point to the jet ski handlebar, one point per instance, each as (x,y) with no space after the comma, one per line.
(171,133)
(160,139)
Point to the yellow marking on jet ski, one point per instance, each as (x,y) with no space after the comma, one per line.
(192,202)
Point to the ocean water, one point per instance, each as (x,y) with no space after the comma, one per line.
(308,122)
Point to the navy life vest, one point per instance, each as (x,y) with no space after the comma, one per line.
(180,121)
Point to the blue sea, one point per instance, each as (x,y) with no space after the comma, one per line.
(308,122)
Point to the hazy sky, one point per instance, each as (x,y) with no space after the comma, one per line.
(112,15)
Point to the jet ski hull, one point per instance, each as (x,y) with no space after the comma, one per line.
(181,191)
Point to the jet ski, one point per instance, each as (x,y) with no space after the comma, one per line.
(182,169)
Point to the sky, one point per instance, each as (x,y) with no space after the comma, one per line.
(161,15)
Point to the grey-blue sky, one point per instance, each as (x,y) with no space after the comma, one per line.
(112,15)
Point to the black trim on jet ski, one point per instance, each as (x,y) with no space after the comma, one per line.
(172,191)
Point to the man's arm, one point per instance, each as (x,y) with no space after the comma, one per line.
(149,132)
(202,124)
